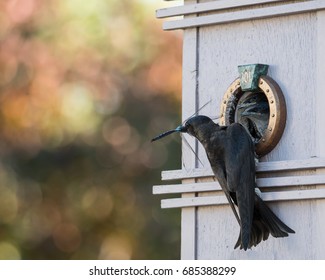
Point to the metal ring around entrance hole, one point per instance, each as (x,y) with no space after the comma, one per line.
(277,112)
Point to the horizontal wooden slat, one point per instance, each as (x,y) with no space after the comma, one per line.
(221,200)
(208,7)
(249,14)
(288,165)
(291,181)
(180,174)
(186,188)
(193,201)
(261,183)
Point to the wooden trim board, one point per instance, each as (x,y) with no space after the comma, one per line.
(247,14)
(221,200)
(277,182)
(208,7)
(287,165)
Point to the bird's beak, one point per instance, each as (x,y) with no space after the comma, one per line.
(245,113)
(249,112)
(180,128)
(245,105)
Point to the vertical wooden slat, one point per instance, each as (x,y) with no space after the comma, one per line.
(319,242)
(320,84)
(188,234)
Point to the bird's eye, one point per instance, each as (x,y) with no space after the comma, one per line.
(189,128)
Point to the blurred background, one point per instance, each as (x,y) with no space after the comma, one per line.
(84,86)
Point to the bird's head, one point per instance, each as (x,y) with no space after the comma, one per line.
(195,126)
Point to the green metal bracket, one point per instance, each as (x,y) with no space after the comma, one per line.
(250,74)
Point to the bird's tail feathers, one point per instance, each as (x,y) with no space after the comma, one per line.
(265,222)
(276,227)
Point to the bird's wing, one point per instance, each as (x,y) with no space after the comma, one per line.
(216,157)
(240,169)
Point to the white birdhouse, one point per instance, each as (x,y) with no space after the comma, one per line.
(289,37)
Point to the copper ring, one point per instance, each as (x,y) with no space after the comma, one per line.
(277,116)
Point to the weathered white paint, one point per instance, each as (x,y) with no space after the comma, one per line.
(208,7)
(293,46)
(188,235)
(188,215)
(292,65)
(319,207)
(279,10)
(186,188)
(272,166)
(273,182)
(320,84)
(221,199)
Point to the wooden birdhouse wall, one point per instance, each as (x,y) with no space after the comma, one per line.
(289,36)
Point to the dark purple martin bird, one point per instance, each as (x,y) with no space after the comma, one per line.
(231,154)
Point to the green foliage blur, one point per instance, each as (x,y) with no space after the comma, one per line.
(84,86)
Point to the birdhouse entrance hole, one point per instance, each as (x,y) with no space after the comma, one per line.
(262,112)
